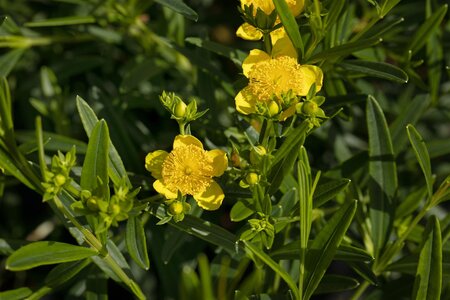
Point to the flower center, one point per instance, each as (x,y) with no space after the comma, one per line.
(187,169)
(274,77)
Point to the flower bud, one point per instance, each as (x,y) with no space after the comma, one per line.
(273,108)
(252,178)
(60,180)
(176,208)
(180,109)
(257,153)
(310,108)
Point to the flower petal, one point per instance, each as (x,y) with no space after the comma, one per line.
(154,161)
(297,8)
(254,57)
(185,140)
(282,44)
(161,188)
(245,103)
(211,198)
(311,74)
(219,161)
(249,32)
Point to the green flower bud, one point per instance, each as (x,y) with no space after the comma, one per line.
(252,178)
(180,109)
(115,209)
(257,153)
(273,108)
(60,180)
(92,203)
(310,108)
(176,208)
(85,194)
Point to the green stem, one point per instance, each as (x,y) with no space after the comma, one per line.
(181,125)
(361,289)
(267,42)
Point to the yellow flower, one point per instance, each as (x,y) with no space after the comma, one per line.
(249,32)
(189,169)
(273,78)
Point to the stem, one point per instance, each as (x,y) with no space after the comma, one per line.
(181,126)
(267,42)
(362,288)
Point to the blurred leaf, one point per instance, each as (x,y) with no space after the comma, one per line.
(205,277)
(96,287)
(383,175)
(385,26)
(116,169)
(334,12)
(421,151)
(336,283)
(7,246)
(376,69)
(16,294)
(342,50)
(386,7)
(137,242)
(364,270)
(425,30)
(54,142)
(240,212)
(290,25)
(427,285)
(6,120)
(95,164)
(46,253)
(142,72)
(73,20)
(285,207)
(64,272)
(8,165)
(9,60)
(327,191)
(322,250)
(180,7)
(273,265)
(235,55)
(410,113)
(408,264)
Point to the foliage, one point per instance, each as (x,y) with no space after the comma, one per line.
(307,154)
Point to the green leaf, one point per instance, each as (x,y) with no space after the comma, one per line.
(290,25)
(137,243)
(73,20)
(95,164)
(46,253)
(322,250)
(9,60)
(376,69)
(334,12)
(54,142)
(96,287)
(64,272)
(8,165)
(6,120)
(279,171)
(294,140)
(17,294)
(425,30)
(383,175)
(179,7)
(408,264)
(421,151)
(427,285)
(7,246)
(142,72)
(386,7)
(379,29)
(240,212)
(409,113)
(336,283)
(273,265)
(343,50)
(327,191)
(116,169)
(364,270)
(235,55)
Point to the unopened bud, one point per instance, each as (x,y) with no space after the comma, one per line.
(176,208)
(180,109)
(273,108)
(310,108)
(252,178)
(60,180)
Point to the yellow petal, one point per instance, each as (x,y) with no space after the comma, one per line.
(185,140)
(219,161)
(161,188)
(311,74)
(154,161)
(254,57)
(297,8)
(249,32)
(211,198)
(282,46)
(245,103)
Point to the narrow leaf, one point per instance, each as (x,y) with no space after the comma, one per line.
(235,55)
(8,165)
(322,250)
(427,285)
(290,25)
(137,242)
(95,164)
(179,7)
(294,140)
(9,60)
(16,294)
(46,253)
(425,30)
(73,20)
(336,283)
(421,151)
(376,69)
(64,272)
(329,190)
(116,169)
(383,175)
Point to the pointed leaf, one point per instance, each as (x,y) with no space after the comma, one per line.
(427,285)
(290,25)
(64,21)
(179,7)
(421,151)
(16,294)
(322,250)
(137,242)
(95,164)
(9,60)
(64,272)
(376,69)
(116,169)
(294,140)
(329,190)
(383,175)
(46,253)
(336,283)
